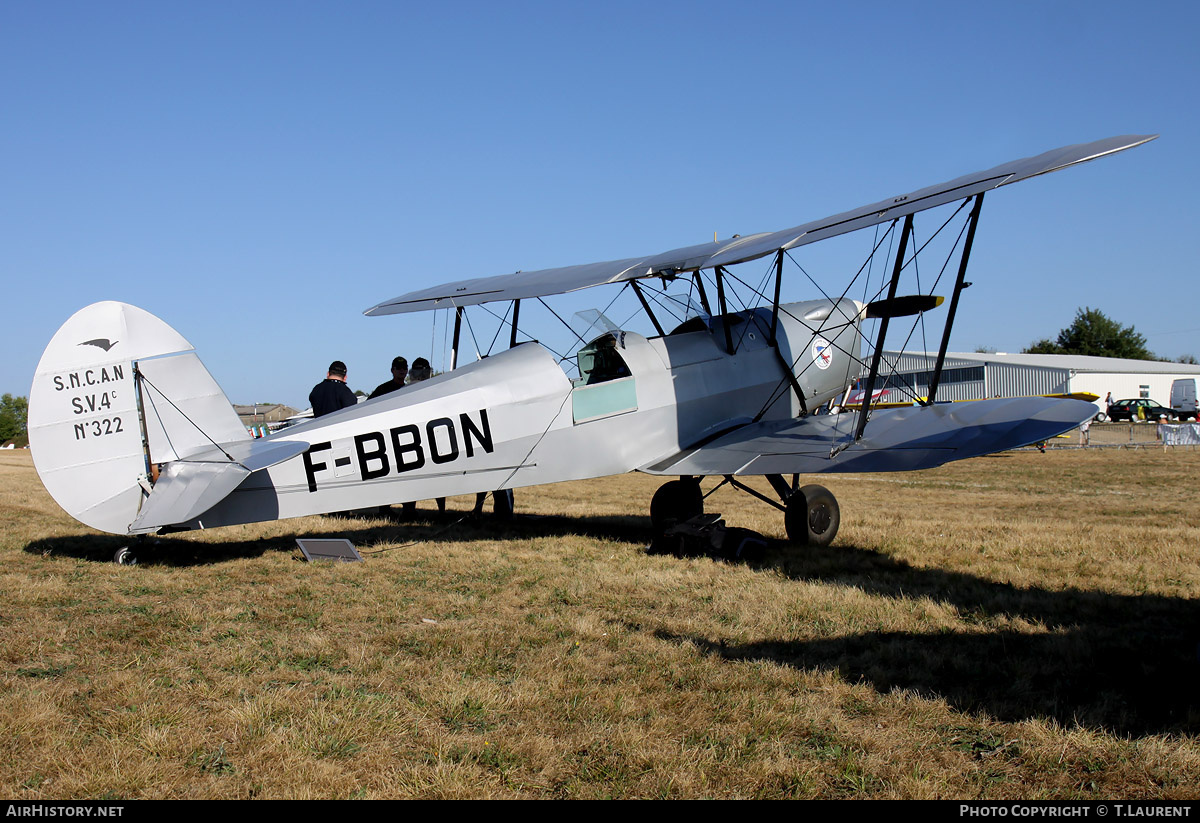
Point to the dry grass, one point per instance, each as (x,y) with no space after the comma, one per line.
(1023,625)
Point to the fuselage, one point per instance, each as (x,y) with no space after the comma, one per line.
(516,419)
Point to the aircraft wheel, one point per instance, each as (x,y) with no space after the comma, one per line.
(125,557)
(675,502)
(812,517)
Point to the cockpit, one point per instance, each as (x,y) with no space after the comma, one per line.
(600,361)
(605,386)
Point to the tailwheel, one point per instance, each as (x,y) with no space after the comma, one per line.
(125,557)
(675,502)
(812,516)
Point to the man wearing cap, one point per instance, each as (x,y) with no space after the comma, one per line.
(421,370)
(399,372)
(332,393)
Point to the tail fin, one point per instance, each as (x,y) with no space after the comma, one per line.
(117,391)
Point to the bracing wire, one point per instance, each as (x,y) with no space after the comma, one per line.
(499,327)
(564,322)
(868,265)
(141,376)
(471,329)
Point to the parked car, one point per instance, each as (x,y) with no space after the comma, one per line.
(1128,410)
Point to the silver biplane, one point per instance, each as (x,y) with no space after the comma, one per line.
(131,435)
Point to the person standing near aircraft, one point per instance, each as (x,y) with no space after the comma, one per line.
(399,372)
(332,393)
(421,370)
(502,500)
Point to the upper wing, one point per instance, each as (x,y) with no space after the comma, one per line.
(919,437)
(742,249)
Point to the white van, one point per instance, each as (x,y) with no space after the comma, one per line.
(1183,395)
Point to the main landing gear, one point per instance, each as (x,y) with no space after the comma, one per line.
(811,515)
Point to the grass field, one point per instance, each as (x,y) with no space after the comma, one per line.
(1017,626)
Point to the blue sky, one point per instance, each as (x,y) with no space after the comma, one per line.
(257,174)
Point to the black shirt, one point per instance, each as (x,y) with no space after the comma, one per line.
(386,388)
(330,395)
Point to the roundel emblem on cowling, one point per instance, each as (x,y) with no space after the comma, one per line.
(822,352)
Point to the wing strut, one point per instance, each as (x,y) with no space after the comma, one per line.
(458,315)
(775,304)
(646,307)
(883,327)
(959,285)
(720,273)
(788,368)
(699,281)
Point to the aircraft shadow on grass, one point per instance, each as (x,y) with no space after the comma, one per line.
(1126,664)
(395,535)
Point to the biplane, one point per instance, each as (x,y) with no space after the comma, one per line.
(131,434)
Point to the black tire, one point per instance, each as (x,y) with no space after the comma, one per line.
(812,517)
(125,557)
(675,502)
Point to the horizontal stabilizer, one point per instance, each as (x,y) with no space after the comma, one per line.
(188,488)
(252,455)
(906,439)
(903,306)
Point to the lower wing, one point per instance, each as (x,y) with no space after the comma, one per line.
(904,439)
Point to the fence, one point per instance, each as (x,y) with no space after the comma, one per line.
(1132,435)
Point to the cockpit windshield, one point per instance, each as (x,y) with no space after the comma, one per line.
(689,315)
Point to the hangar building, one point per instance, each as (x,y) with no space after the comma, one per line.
(979,375)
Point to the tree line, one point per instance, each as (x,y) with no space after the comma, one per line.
(14,419)
(1093,333)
